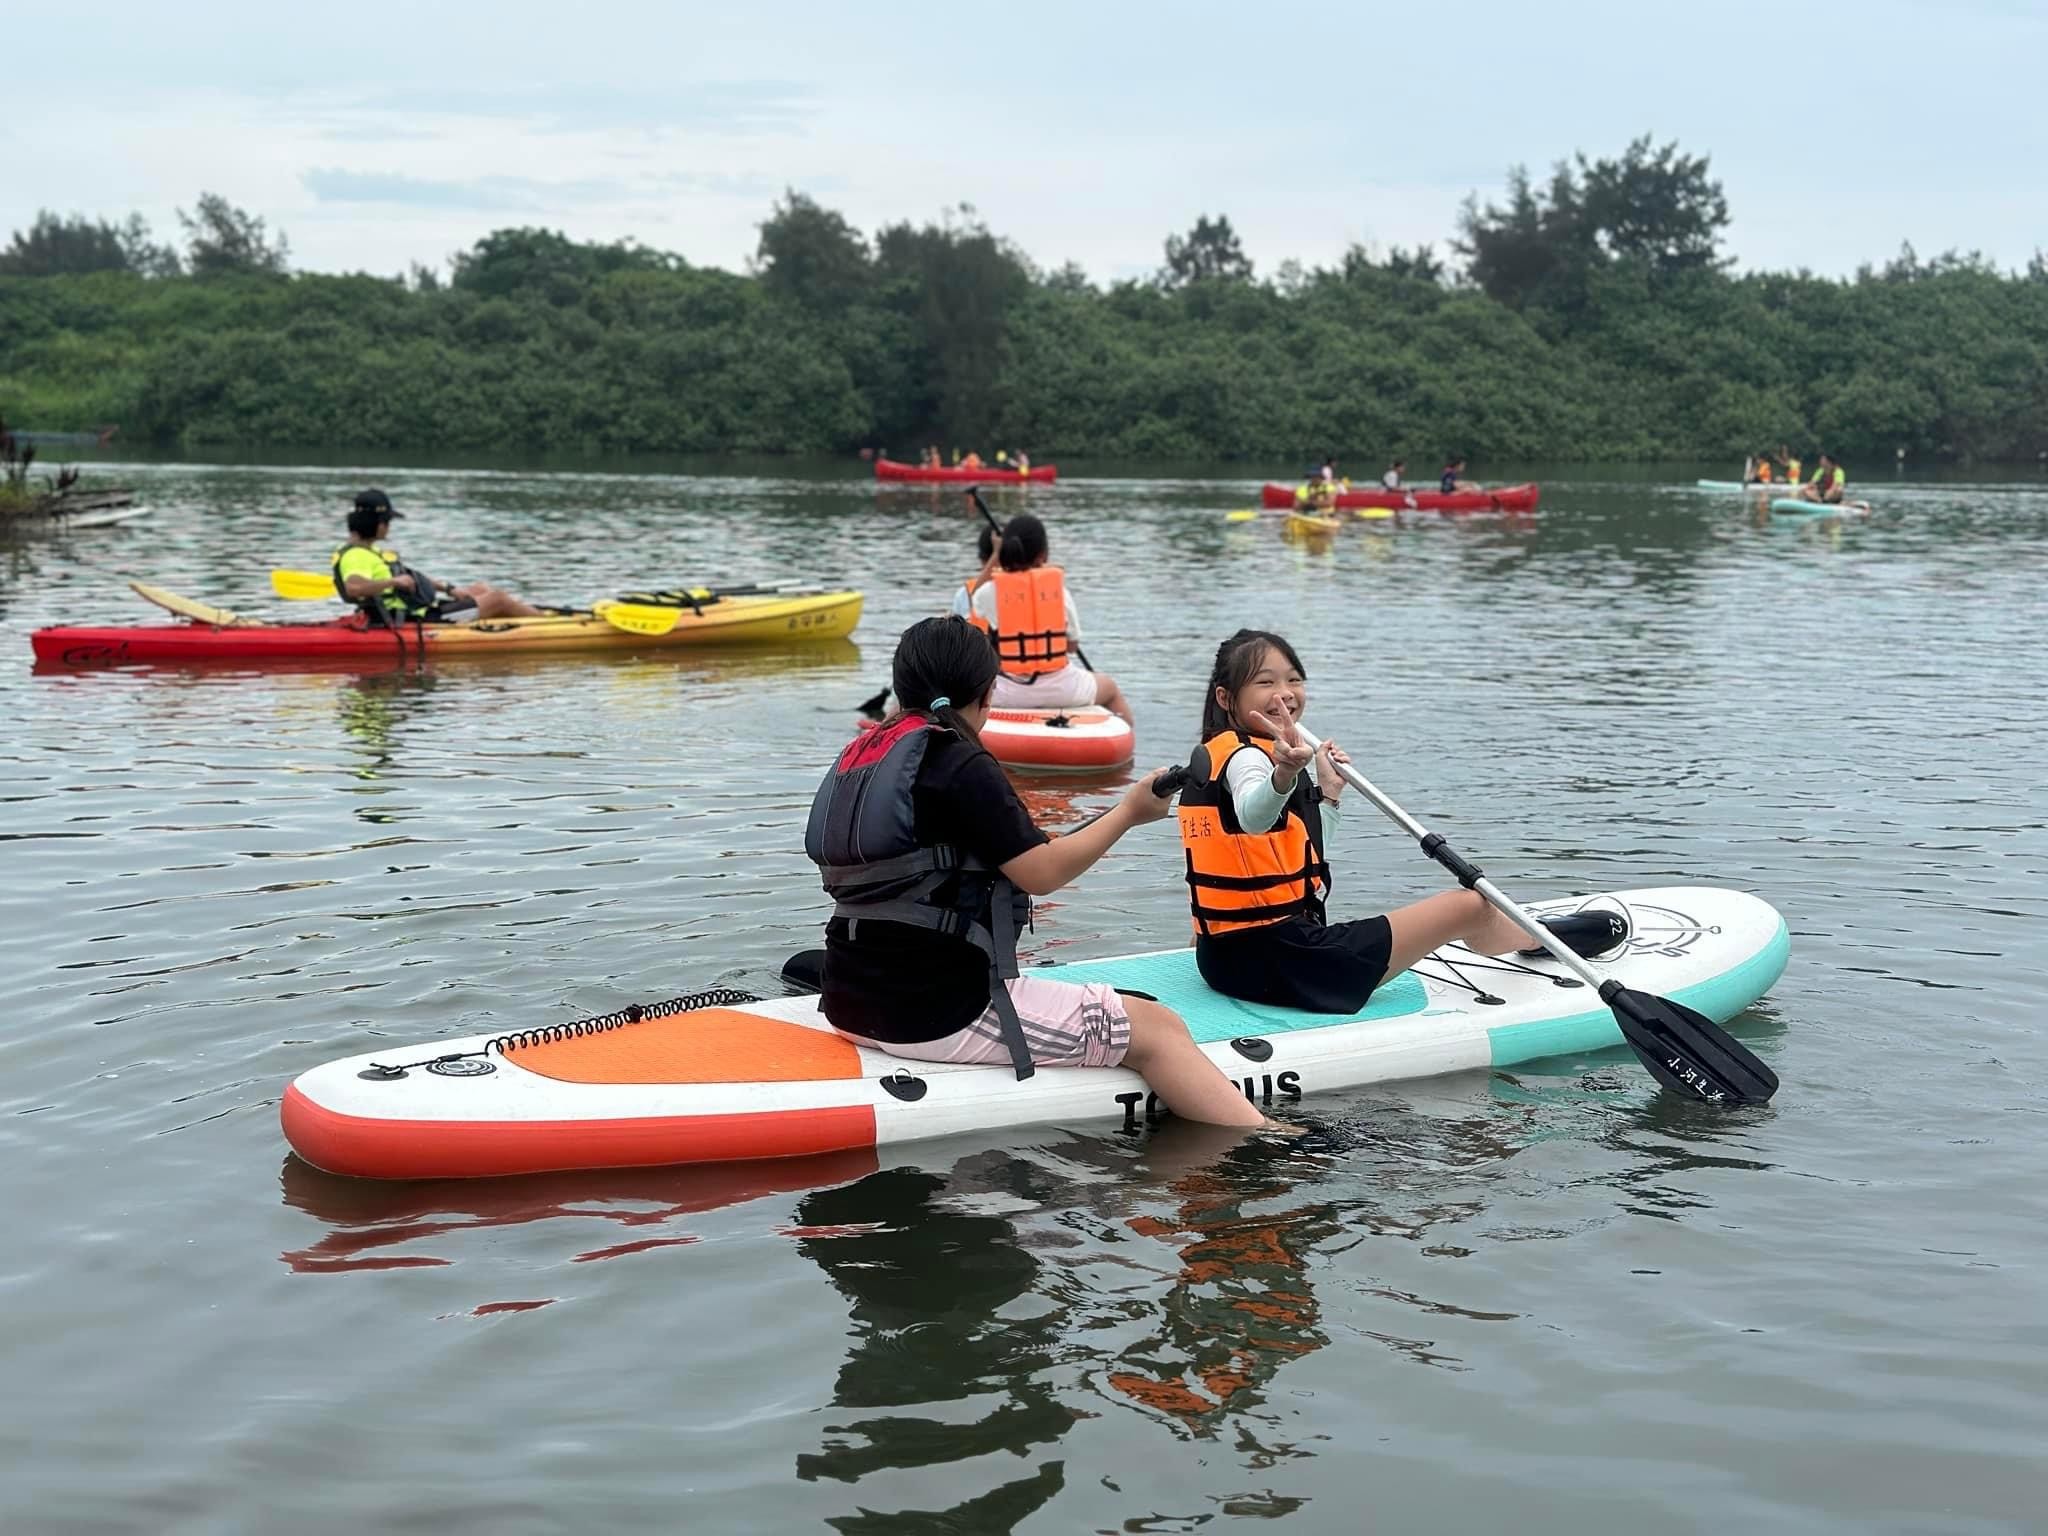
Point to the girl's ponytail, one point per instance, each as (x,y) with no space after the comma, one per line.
(1024,543)
(943,666)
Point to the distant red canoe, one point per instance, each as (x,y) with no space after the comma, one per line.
(1508,498)
(953,474)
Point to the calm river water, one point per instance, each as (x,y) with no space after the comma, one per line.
(1542,1302)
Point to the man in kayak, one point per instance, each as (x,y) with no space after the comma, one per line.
(1827,484)
(1454,479)
(1391,480)
(372,577)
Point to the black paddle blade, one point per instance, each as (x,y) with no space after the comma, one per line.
(1688,1052)
(872,708)
(805,970)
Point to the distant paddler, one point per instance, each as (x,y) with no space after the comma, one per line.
(1318,492)
(1827,484)
(1453,479)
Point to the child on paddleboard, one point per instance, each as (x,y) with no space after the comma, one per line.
(1030,615)
(1255,816)
(932,861)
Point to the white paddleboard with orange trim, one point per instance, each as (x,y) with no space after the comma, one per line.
(723,1076)
(1089,737)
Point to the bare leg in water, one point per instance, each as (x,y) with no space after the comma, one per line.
(1173,1066)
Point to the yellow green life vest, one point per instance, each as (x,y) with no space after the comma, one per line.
(378,564)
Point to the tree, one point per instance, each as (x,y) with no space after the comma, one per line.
(1656,207)
(138,244)
(1514,252)
(811,255)
(1421,264)
(1654,210)
(1209,251)
(1069,277)
(548,262)
(222,241)
(54,245)
(958,283)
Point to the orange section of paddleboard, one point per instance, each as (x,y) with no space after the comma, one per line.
(367,1148)
(706,1045)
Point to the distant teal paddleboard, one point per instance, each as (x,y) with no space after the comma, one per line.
(1733,485)
(1793,504)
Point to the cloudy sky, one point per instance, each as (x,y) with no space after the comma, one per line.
(376,134)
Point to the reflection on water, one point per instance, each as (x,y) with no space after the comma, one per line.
(367,1223)
(941,1367)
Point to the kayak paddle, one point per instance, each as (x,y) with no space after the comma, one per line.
(974,492)
(639,618)
(1683,1049)
(311,586)
(303,586)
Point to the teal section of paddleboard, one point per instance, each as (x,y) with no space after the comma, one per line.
(1170,976)
(1720,998)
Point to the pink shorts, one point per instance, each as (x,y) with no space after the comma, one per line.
(1066,1024)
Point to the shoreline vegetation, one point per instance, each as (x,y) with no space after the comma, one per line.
(1589,317)
(59,495)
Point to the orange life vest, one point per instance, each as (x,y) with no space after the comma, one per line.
(1239,879)
(1031,620)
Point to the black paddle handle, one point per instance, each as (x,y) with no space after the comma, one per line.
(1462,869)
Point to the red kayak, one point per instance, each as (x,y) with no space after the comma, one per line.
(1506,498)
(889,469)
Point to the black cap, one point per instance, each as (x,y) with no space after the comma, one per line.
(374,500)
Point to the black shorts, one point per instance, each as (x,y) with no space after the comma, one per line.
(1316,967)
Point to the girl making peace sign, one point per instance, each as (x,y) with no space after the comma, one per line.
(1254,822)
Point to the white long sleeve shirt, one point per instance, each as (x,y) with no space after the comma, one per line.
(1249,773)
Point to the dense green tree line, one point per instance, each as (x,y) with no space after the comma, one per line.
(1589,317)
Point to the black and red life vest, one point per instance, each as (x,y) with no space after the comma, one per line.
(862,835)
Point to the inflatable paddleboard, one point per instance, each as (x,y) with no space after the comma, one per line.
(1738,485)
(723,1076)
(1059,738)
(1796,506)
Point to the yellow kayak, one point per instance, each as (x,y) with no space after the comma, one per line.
(1306,525)
(213,634)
